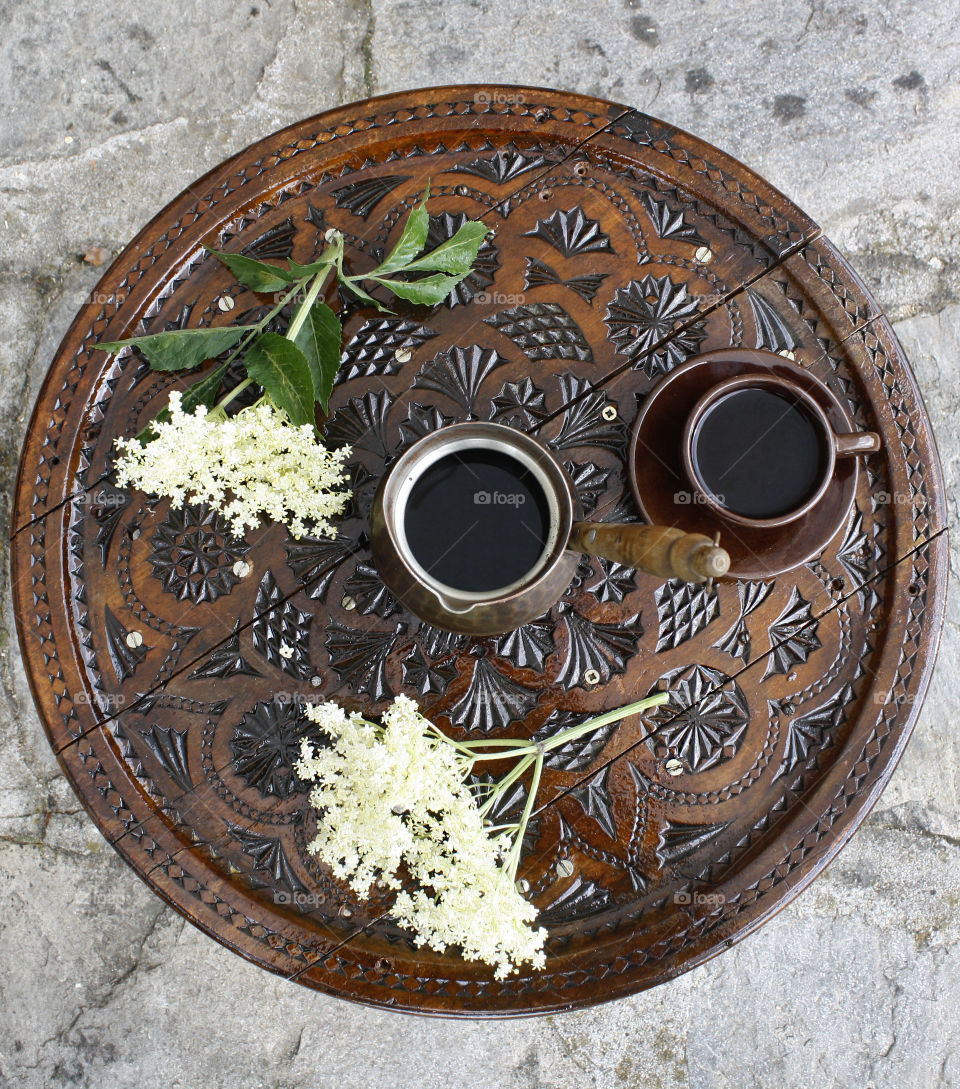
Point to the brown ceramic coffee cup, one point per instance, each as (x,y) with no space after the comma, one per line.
(771,443)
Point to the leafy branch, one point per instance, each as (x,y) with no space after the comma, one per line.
(296,371)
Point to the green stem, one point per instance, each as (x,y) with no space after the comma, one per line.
(513,858)
(531,752)
(507,781)
(475,748)
(605,719)
(512,754)
(477,745)
(237,389)
(460,746)
(304,308)
(258,328)
(245,341)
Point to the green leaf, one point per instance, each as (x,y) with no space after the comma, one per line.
(319,340)
(351,285)
(181,349)
(427,291)
(257,275)
(412,240)
(457,254)
(205,391)
(304,272)
(281,368)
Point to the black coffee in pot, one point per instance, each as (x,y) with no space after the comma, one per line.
(477,520)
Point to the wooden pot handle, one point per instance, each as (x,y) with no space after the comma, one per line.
(658,550)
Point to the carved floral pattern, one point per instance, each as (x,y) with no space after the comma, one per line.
(594,798)
(268,857)
(540,274)
(572,233)
(705,720)
(793,636)
(458,373)
(668,222)
(362,196)
(684,609)
(266,746)
(281,632)
(359,657)
(492,700)
(504,165)
(194,554)
(602,647)
(736,641)
(814,731)
(543,330)
(644,314)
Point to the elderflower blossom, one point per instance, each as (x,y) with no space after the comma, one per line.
(396,794)
(256,463)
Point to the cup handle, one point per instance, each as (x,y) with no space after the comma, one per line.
(856,442)
(659,550)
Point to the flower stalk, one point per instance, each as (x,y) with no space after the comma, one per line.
(394,798)
(532,753)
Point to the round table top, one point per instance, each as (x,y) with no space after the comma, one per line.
(622,247)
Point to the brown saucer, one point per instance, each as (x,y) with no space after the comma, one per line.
(665,495)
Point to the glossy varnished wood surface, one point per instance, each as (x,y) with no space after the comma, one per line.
(622,248)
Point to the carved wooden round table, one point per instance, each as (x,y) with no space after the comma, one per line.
(622,247)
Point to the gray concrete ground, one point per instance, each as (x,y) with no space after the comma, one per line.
(107,110)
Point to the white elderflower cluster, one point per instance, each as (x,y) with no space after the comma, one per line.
(255,464)
(395,795)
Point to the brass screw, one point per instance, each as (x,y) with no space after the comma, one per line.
(674,766)
(564,867)
(704,255)
(609,413)
(592,676)
(403,355)
(348,603)
(134,639)
(225,302)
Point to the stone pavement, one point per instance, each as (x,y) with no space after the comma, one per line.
(106,111)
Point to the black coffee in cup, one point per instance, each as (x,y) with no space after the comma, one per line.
(477,520)
(759,452)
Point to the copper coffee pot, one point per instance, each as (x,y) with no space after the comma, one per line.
(658,550)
